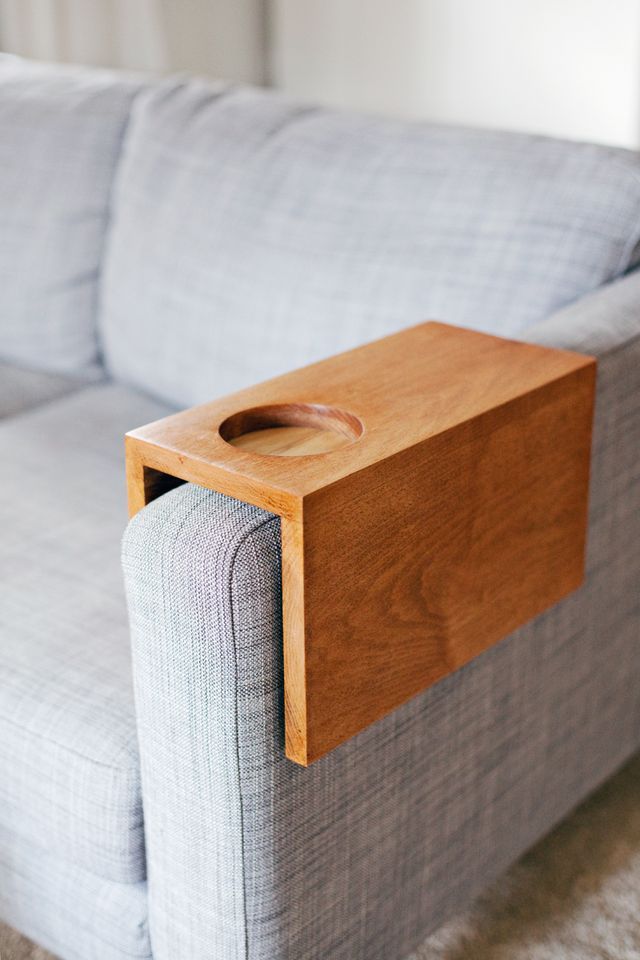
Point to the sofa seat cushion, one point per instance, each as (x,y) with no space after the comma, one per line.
(252,235)
(22,389)
(61,130)
(79,915)
(68,754)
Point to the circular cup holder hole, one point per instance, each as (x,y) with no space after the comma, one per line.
(291,429)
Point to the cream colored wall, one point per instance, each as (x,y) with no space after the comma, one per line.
(567,68)
(562,67)
(223,38)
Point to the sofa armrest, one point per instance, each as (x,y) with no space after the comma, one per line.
(202,573)
(362,854)
(603,321)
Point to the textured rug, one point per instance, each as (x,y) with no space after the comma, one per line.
(575,896)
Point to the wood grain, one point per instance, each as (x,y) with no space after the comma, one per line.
(290,441)
(455,512)
(291,430)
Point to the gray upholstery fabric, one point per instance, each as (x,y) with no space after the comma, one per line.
(21,389)
(360,855)
(68,752)
(253,235)
(60,136)
(75,914)
(597,324)
(201,567)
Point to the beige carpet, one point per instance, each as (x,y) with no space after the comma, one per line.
(576,896)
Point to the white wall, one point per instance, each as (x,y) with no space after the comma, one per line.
(563,67)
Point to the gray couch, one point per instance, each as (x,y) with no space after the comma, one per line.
(163,243)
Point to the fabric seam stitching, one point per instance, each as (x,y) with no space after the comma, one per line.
(245,537)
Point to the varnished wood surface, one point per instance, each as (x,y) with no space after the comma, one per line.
(456,514)
(291,430)
(290,441)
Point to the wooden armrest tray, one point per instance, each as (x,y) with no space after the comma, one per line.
(433,490)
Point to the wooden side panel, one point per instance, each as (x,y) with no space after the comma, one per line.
(420,562)
(294,630)
(145,483)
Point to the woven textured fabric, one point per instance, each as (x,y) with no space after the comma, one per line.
(72,913)
(598,323)
(187,696)
(22,389)
(60,136)
(68,752)
(252,235)
(359,856)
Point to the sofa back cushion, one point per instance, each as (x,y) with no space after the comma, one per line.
(60,136)
(252,235)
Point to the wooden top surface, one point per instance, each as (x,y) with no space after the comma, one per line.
(404,389)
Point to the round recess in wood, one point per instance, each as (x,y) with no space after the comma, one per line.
(291,429)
